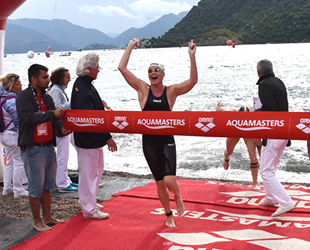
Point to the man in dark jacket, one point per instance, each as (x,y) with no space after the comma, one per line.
(273,96)
(37,118)
(89,146)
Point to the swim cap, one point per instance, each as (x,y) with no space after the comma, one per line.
(158,65)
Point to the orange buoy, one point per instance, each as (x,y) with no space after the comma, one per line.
(229,42)
(49,48)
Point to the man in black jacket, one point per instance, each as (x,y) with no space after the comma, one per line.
(273,96)
(89,146)
(37,118)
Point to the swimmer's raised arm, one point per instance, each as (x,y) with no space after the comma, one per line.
(139,85)
(131,79)
(182,88)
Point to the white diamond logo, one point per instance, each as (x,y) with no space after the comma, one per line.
(115,123)
(307,130)
(205,128)
(199,125)
(303,128)
(120,126)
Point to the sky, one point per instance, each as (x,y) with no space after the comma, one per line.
(108,16)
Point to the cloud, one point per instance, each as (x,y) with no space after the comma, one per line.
(159,7)
(105,10)
(135,13)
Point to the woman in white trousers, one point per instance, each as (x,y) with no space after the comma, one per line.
(60,79)
(14,172)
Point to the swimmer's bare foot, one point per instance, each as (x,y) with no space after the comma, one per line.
(226,161)
(41,227)
(170,221)
(52,221)
(256,186)
(180,205)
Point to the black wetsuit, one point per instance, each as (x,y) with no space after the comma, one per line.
(159,150)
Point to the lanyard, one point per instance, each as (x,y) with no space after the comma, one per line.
(63,91)
(36,98)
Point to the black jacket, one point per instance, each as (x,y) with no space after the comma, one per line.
(28,116)
(272,93)
(85,96)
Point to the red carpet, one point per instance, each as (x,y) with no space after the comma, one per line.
(138,223)
(225,194)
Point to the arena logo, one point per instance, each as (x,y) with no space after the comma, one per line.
(161,123)
(254,237)
(120,122)
(304,128)
(252,125)
(85,122)
(205,124)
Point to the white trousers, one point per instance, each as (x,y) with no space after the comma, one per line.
(14,168)
(91,165)
(270,156)
(62,178)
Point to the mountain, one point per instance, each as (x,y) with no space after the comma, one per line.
(63,31)
(20,40)
(153,29)
(27,34)
(212,22)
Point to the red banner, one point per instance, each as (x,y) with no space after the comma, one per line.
(270,125)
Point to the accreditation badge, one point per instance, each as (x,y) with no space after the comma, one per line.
(42,129)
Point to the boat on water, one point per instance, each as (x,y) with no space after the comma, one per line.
(66,54)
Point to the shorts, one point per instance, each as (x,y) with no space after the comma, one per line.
(160,154)
(40,166)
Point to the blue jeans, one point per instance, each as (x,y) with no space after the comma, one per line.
(40,166)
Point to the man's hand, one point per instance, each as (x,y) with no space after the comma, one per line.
(59,113)
(191,48)
(111,145)
(107,107)
(65,131)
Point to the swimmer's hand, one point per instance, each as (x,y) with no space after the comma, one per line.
(220,106)
(134,42)
(191,48)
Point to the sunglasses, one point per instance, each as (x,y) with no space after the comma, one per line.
(155,70)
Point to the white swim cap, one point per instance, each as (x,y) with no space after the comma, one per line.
(158,65)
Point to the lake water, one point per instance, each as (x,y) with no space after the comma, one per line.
(225,74)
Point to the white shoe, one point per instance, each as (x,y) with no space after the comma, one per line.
(283,209)
(7,192)
(21,194)
(99,206)
(266,202)
(98,216)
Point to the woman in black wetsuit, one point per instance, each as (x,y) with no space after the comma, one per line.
(159,150)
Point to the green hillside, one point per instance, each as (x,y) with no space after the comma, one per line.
(213,22)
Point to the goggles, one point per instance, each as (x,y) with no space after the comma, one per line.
(155,70)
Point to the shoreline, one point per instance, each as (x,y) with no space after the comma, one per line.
(149,176)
